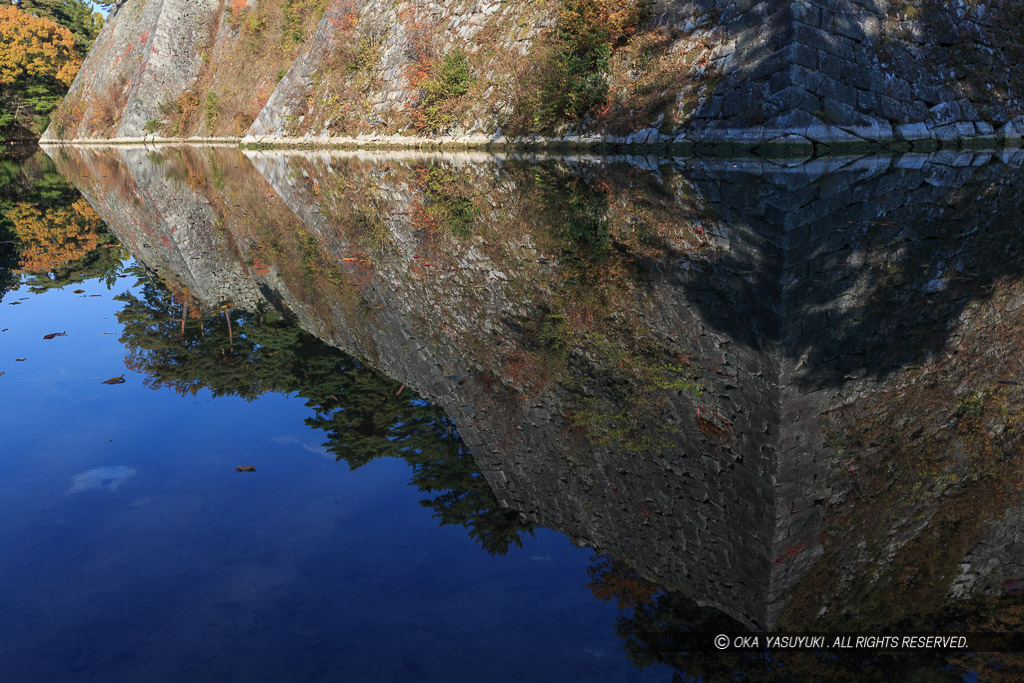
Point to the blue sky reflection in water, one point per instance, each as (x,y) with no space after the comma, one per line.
(134,550)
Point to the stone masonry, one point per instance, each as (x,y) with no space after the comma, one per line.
(804,76)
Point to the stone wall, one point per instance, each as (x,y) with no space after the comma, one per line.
(793,73)
(146,55)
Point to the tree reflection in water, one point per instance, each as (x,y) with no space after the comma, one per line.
(49,234)
(178,344)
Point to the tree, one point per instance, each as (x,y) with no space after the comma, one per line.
(37,47)
(77,16)
(38,61)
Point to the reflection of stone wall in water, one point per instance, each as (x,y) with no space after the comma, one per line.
(163,212)
(666,364)
(887,272)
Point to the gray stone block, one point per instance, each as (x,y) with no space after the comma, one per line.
(953,131)
(912,131)
(1009,132)
(944,113)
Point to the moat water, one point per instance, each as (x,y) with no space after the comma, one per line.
(275,416)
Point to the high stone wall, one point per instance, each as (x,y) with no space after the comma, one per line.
(146,54)
(796,72)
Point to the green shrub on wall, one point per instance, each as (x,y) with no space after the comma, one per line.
(443,83)
(570,75)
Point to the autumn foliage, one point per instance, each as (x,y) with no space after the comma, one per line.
(55,237)
(38,62)
(611,580)
(590,22)
(37,47)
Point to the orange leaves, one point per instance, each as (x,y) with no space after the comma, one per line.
(35,46)
(525,373)
(245,468)
(114,380)
(613,580)
(344,18)
(421,35)
(56,237)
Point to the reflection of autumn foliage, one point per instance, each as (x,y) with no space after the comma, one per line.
(996,666)
(611,579)
(54,238)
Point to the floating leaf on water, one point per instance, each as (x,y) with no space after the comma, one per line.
(15,303)
(250,468)
(5,329)
(114,380)
(54,334)
(79,291)
(20,360)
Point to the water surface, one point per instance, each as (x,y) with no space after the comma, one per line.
(510,418)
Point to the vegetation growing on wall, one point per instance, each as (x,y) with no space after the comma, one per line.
(234,83)
(439,85)
(569,77)
(337,101)
(563,78)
